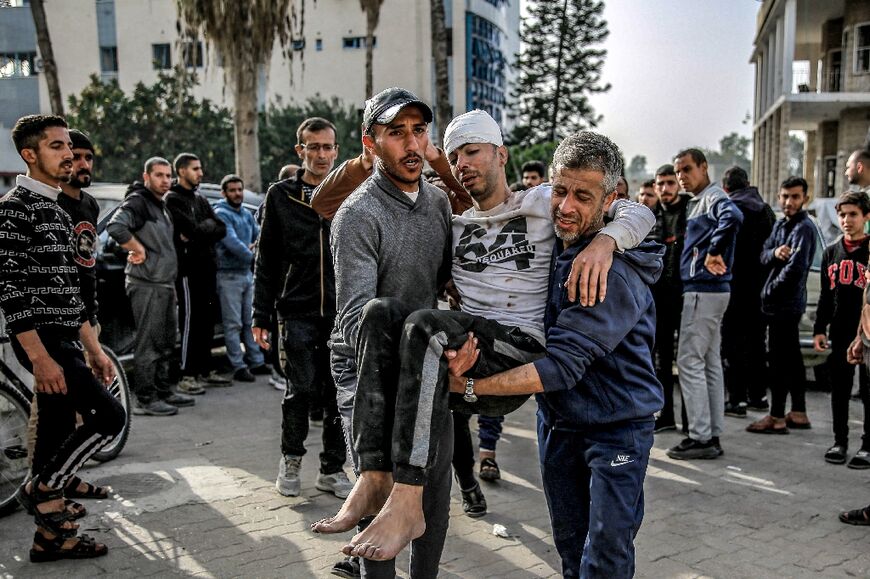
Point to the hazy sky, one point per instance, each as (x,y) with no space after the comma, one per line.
(680,74)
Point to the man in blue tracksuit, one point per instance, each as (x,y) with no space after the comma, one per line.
(596,387)
(712,222)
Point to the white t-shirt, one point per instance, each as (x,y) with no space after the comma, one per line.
(502,257)
(501,260)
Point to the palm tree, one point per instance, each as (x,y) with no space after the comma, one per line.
(49,67)
(443,109)
(243,34)
(372,9)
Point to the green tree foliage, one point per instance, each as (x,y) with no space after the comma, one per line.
(162,119)
(637,168)
(733,150)
(558,68)
(520,154)
(278,132)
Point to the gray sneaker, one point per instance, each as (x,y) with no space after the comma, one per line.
(189,385)
(288,476)
(180,400)
(215,378)
(336,483)
(154,408)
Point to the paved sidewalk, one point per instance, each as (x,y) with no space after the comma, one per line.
(194,496)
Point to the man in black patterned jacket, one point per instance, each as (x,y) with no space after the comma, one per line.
(39,295)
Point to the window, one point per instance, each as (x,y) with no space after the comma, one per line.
(161,56)
(298,44)
(191,54)
(357,42)
(862,48)
(17,64)
(485,67)
(108,59)
(318,45)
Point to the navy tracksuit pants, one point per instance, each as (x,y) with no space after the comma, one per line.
(593,482)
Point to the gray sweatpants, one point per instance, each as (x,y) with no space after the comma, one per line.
(700,364)
(154,310)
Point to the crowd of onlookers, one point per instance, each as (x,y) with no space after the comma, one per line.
(738,329)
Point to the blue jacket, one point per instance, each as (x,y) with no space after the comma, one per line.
(233,253)
(712,223)
(598,369)
(785,291)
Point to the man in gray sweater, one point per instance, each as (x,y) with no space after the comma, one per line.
(390,239)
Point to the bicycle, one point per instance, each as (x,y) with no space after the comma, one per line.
(15,402)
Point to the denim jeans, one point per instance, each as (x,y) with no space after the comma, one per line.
(236,291)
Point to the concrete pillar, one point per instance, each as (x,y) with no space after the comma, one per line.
(778,59)
(770,67)
(789,24)
(810,173)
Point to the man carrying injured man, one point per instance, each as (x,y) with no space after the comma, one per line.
(502,254)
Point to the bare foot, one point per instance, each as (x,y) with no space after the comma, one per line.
(399,522)
(367,497)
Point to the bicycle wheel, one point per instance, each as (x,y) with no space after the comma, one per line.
(120,389)
(14,466)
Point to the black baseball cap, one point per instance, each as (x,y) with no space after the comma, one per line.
(382,108)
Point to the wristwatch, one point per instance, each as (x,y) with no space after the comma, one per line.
(469,395)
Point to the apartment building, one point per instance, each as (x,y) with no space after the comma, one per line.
(812,74)
(131,41)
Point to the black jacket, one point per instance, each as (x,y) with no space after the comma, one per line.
(674,237)
(84,213)
(747,273)
(194,218)
(842,290)
(785,291)
(293,271)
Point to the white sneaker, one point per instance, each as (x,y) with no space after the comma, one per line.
(277,382)
(288,476)
(336,483)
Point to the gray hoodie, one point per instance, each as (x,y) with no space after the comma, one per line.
(385,245)
(143,215)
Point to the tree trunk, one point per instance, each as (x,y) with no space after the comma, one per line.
(49,67)
(557,96)
(443,108)
(246,124)
(371,24)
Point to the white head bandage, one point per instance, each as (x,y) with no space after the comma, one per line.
(472,127)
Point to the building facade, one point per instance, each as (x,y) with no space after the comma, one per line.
(812,74)
(133,41)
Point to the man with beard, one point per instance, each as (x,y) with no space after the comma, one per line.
(83,209)
(143,227)
(858,170)
(510,236)
(49,326)
(294,281)
(196,231)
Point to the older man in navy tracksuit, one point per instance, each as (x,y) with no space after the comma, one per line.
(596,388)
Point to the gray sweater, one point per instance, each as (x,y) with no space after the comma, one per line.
(385,245)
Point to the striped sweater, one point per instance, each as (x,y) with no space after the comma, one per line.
(39,287)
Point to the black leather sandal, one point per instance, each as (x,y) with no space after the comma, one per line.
(93,491)
(489,470)
(473,501)
(53,521)
(52,549)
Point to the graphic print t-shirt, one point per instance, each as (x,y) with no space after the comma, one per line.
(501,260)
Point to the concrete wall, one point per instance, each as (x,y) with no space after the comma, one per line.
(857,12)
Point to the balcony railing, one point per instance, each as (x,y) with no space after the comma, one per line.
(828,81)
